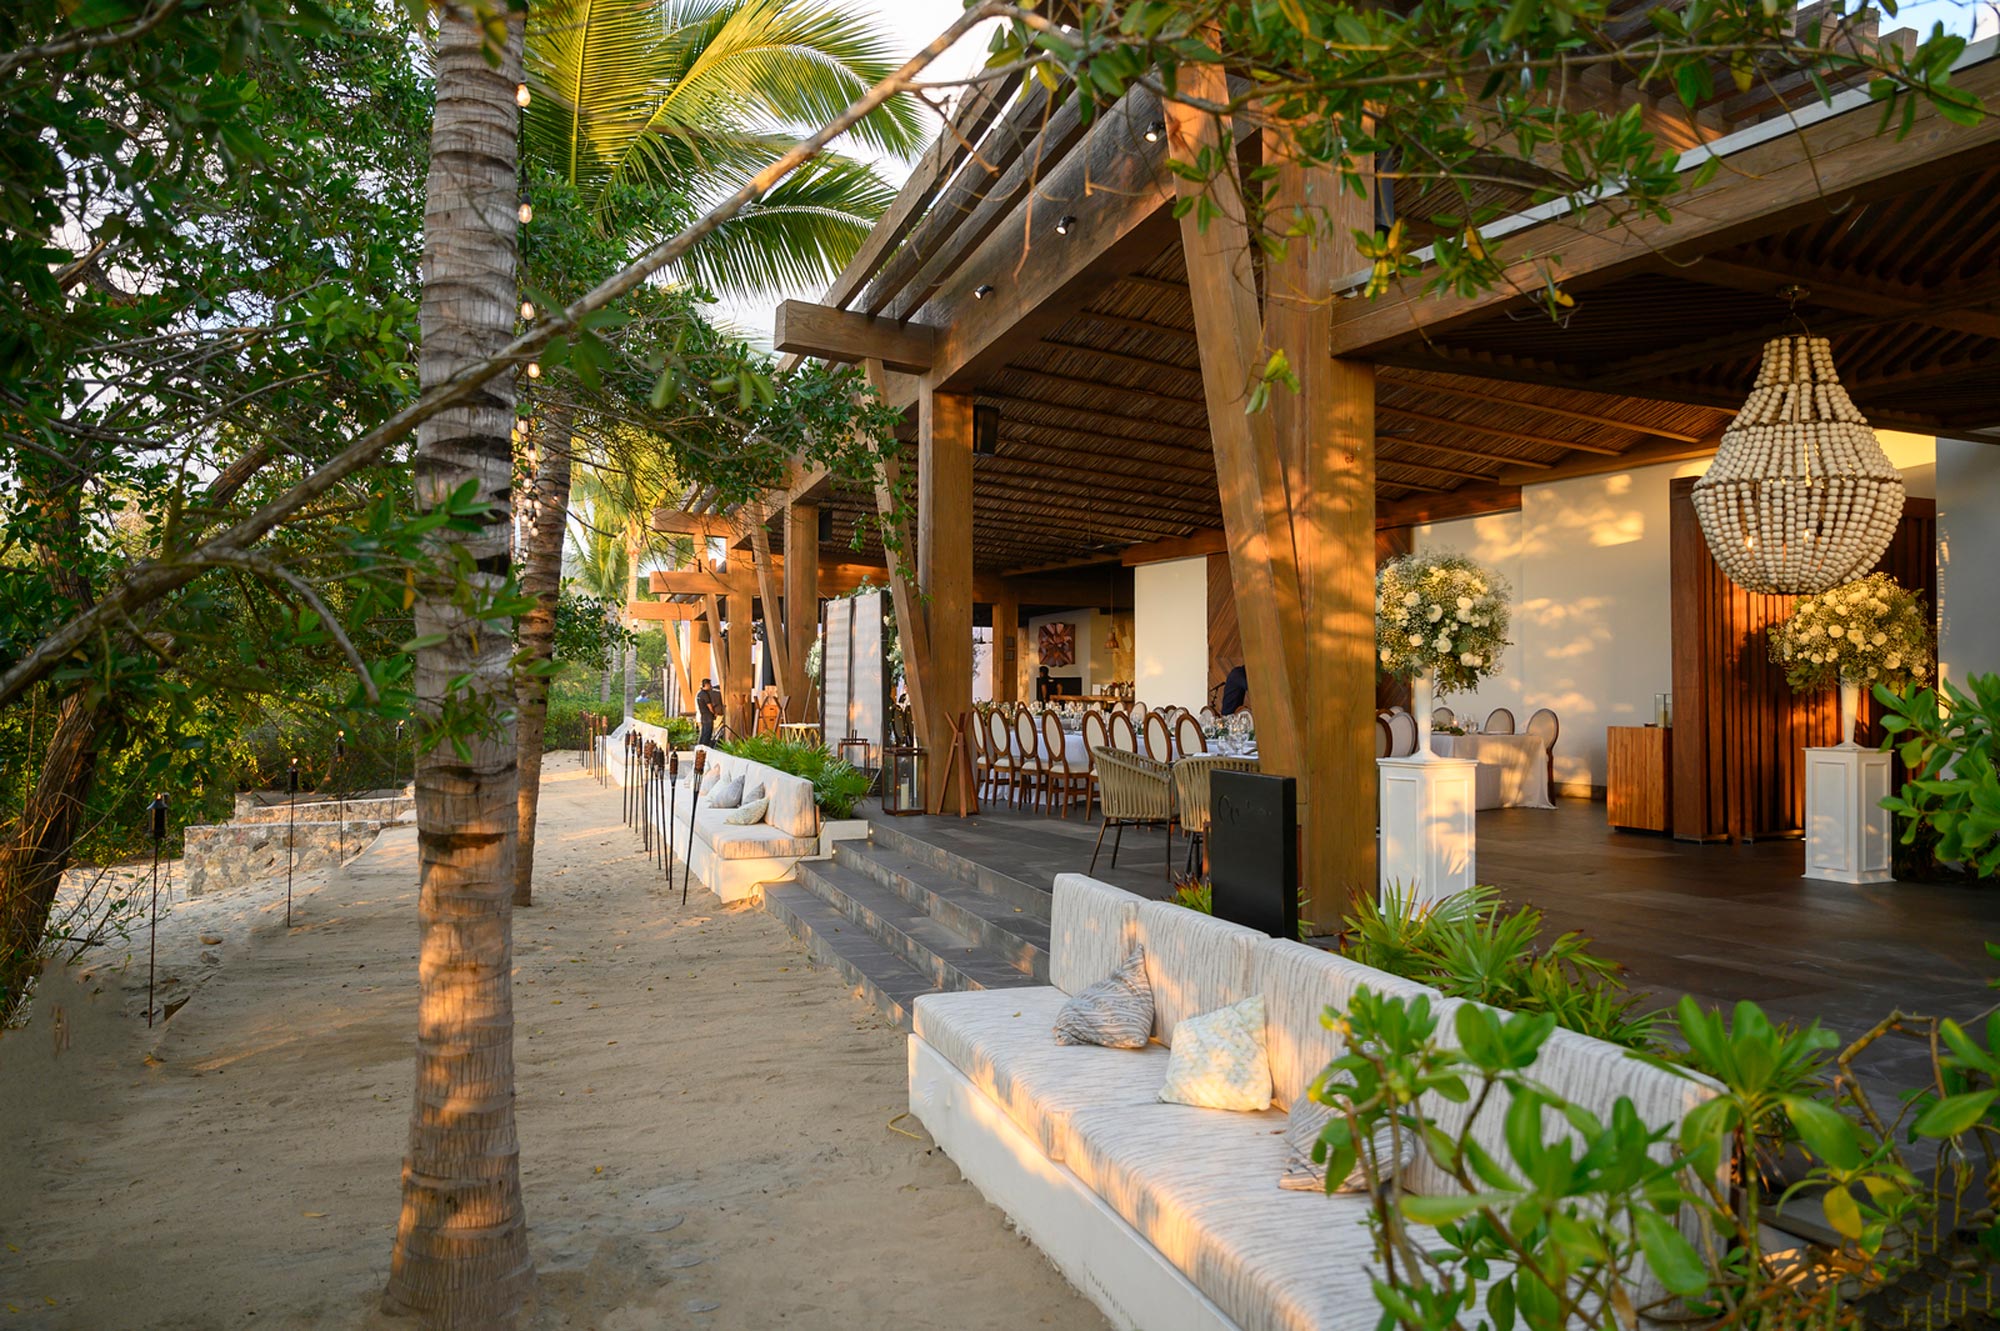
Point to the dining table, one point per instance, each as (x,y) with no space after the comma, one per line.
(1513,769)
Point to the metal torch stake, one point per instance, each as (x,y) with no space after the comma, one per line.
(673,790)
(159,822)
(687,863)
(340,794)
(291,833)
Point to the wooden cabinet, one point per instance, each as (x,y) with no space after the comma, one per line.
(1639,790)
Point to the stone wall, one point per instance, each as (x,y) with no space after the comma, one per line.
(259,804)
(385,809)
(221,856)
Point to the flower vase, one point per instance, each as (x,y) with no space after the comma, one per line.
(1850,712)
(1421,707)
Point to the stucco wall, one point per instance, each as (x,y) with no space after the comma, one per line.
(1170,631)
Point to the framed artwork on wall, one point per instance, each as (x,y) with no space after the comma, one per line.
(1058,644)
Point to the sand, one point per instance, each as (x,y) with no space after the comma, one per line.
(707,1122)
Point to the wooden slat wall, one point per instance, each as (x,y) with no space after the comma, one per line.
(1225,640)
(1740,731)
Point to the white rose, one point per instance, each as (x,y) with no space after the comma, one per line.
(1443,643)
(1879,639)
(1416,640)
(1893,660)
(1858,633)
(1481,622)
(1919,671)
(1465,603)
(1834,630)
(1473,659)
(1411,598)
(1386,654)
(1434,614)
(1464,615)
(1818,659)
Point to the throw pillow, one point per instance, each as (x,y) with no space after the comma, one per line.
(1116,1012)
(753,812)
(727,794)
(1302,1129)
(1220,1061)
(751,793)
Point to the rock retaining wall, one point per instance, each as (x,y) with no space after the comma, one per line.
(386,809)
(221,856)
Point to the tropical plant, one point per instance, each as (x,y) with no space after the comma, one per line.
(1868,632)
(1949,741)
(837,784)
(1443,613)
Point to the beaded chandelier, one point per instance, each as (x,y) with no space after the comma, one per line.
(1800,496)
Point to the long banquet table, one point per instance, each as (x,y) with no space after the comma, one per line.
(1513,769)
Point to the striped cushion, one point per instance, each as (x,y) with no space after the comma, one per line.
(1299,983)
(1116,1012)
(1195,963)
(1092,928)
(1000,1040)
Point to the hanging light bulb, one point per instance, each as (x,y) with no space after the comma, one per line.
(527,310)
(521,94)
(526,212)
(534,369)
(1800,496)
(982,291)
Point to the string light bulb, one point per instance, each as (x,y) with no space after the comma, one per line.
(534,369)
(1155,130)
(521,95)
(527,310)
(526,212)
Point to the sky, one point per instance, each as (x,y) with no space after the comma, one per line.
(913,23)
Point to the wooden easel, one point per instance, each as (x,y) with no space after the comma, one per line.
(959,762)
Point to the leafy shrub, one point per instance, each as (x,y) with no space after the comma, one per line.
(1198,894)
(652,713)
(1950,744)
(837,784)
(565,724)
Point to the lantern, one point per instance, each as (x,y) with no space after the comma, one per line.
(1800,496)
(902,779)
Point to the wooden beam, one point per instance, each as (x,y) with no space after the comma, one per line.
(1209,541)
(1774,184)
(1467,502)
(707,526)
(687,582)
(1841,291)
(806,329)
(1644,455)
(1452,422)
(1460,451)
(1105,386)
(775,644)
(1395,380)
(801,601)
(661,611)
(912,627)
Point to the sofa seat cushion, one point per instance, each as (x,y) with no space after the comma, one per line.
(1004,1041)
(755,841)
(1201,1185)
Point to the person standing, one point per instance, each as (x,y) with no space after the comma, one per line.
(1235,690)
(1045,685)
(708,705)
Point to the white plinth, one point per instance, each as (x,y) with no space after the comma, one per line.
(1427,836)
(1848,832)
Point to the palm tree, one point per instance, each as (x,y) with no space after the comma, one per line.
(461,1256)
(647,111)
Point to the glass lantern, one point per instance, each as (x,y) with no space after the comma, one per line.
(902,779)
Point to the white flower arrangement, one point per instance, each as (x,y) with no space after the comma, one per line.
(1867,632)
(1440,612)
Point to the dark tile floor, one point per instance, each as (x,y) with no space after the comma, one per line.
(1720,922)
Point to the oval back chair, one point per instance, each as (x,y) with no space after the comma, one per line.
(1187,735)
(1123,736)
(1065,780)
(1028,765)
(1000,754)
(1383,740)
(1402,735)
(1499,721)
(1546,724)
(1159,741)
(1443,716)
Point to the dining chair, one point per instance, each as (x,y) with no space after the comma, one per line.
(1062,780)
(1159,740)
(1191,797)
(1208,717)
(1029,768)
(1383,740)
(1443,716)
(1546,724)
(1500,721)
(1402,735)
(1096,735)
(1123,736)
(1187,735)
(1136,791)
(1000,755)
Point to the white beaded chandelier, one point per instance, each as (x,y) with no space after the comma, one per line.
(1800,496)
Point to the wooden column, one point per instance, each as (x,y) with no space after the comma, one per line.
(944,569)
(775,642)
(801,600)
(682,660)
(1326,436)
(1006,661)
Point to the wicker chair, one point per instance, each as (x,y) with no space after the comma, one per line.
(1159,740)
(1030,772)
(1062,781)
(1191,794)
(1187,735)
(1135,790)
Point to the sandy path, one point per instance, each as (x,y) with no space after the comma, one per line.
(704,1119)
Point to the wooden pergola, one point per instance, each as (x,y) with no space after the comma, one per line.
(1033,266)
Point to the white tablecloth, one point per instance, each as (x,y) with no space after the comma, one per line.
(1513,769)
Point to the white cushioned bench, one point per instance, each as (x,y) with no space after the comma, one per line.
(736,861)
(1170,1217)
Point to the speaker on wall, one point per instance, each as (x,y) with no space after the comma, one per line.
(825,525)
(1253,850)
(985,431)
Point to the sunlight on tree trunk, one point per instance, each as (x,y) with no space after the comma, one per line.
(461,1256)
(541,579)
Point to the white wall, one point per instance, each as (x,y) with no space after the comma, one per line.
(1170,631)
(1968,492)
(1590,566)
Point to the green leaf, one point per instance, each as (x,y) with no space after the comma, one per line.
(1441,1210)
(1672,1258)
(1953,1115)
(1842,1212)
(1825,1131)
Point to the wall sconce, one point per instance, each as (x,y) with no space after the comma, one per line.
(982,291)
(1064,223)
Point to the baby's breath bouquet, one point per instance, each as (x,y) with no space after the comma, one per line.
(1442,613)
(1868,632)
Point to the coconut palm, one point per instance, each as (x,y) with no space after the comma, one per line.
(461,1255)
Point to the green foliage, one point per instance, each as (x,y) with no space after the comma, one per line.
(682,732)
(565,722)
(1470,946)
(837,784)
(587,630)
(1948,744)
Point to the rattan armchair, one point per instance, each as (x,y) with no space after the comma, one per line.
(1191,794)
(1133,789)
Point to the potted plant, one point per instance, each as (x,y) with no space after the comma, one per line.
(1440,622)
(1855,636)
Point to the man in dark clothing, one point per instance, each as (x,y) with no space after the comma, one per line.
(708,705)
(1045,685)
(1235,688)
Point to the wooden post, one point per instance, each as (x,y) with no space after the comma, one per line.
(681,661)
(1006,630)
(801,599)
(899,550)
(738,681)
(775,642)
(944,568)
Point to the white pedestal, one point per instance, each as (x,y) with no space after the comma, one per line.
(1427,846)
(840,829)
(1848,832)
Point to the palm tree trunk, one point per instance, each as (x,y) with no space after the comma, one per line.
(35,855)
(542,579)
(633,550)
(461,1256)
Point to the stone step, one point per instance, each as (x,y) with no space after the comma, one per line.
(832,939)
(950,959)
(1032,899)
(1016,935)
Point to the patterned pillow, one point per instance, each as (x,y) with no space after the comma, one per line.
(1116,1012)
(727,794)
(753,812)
(1220,1061)
(752,793)
(1391,1151)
